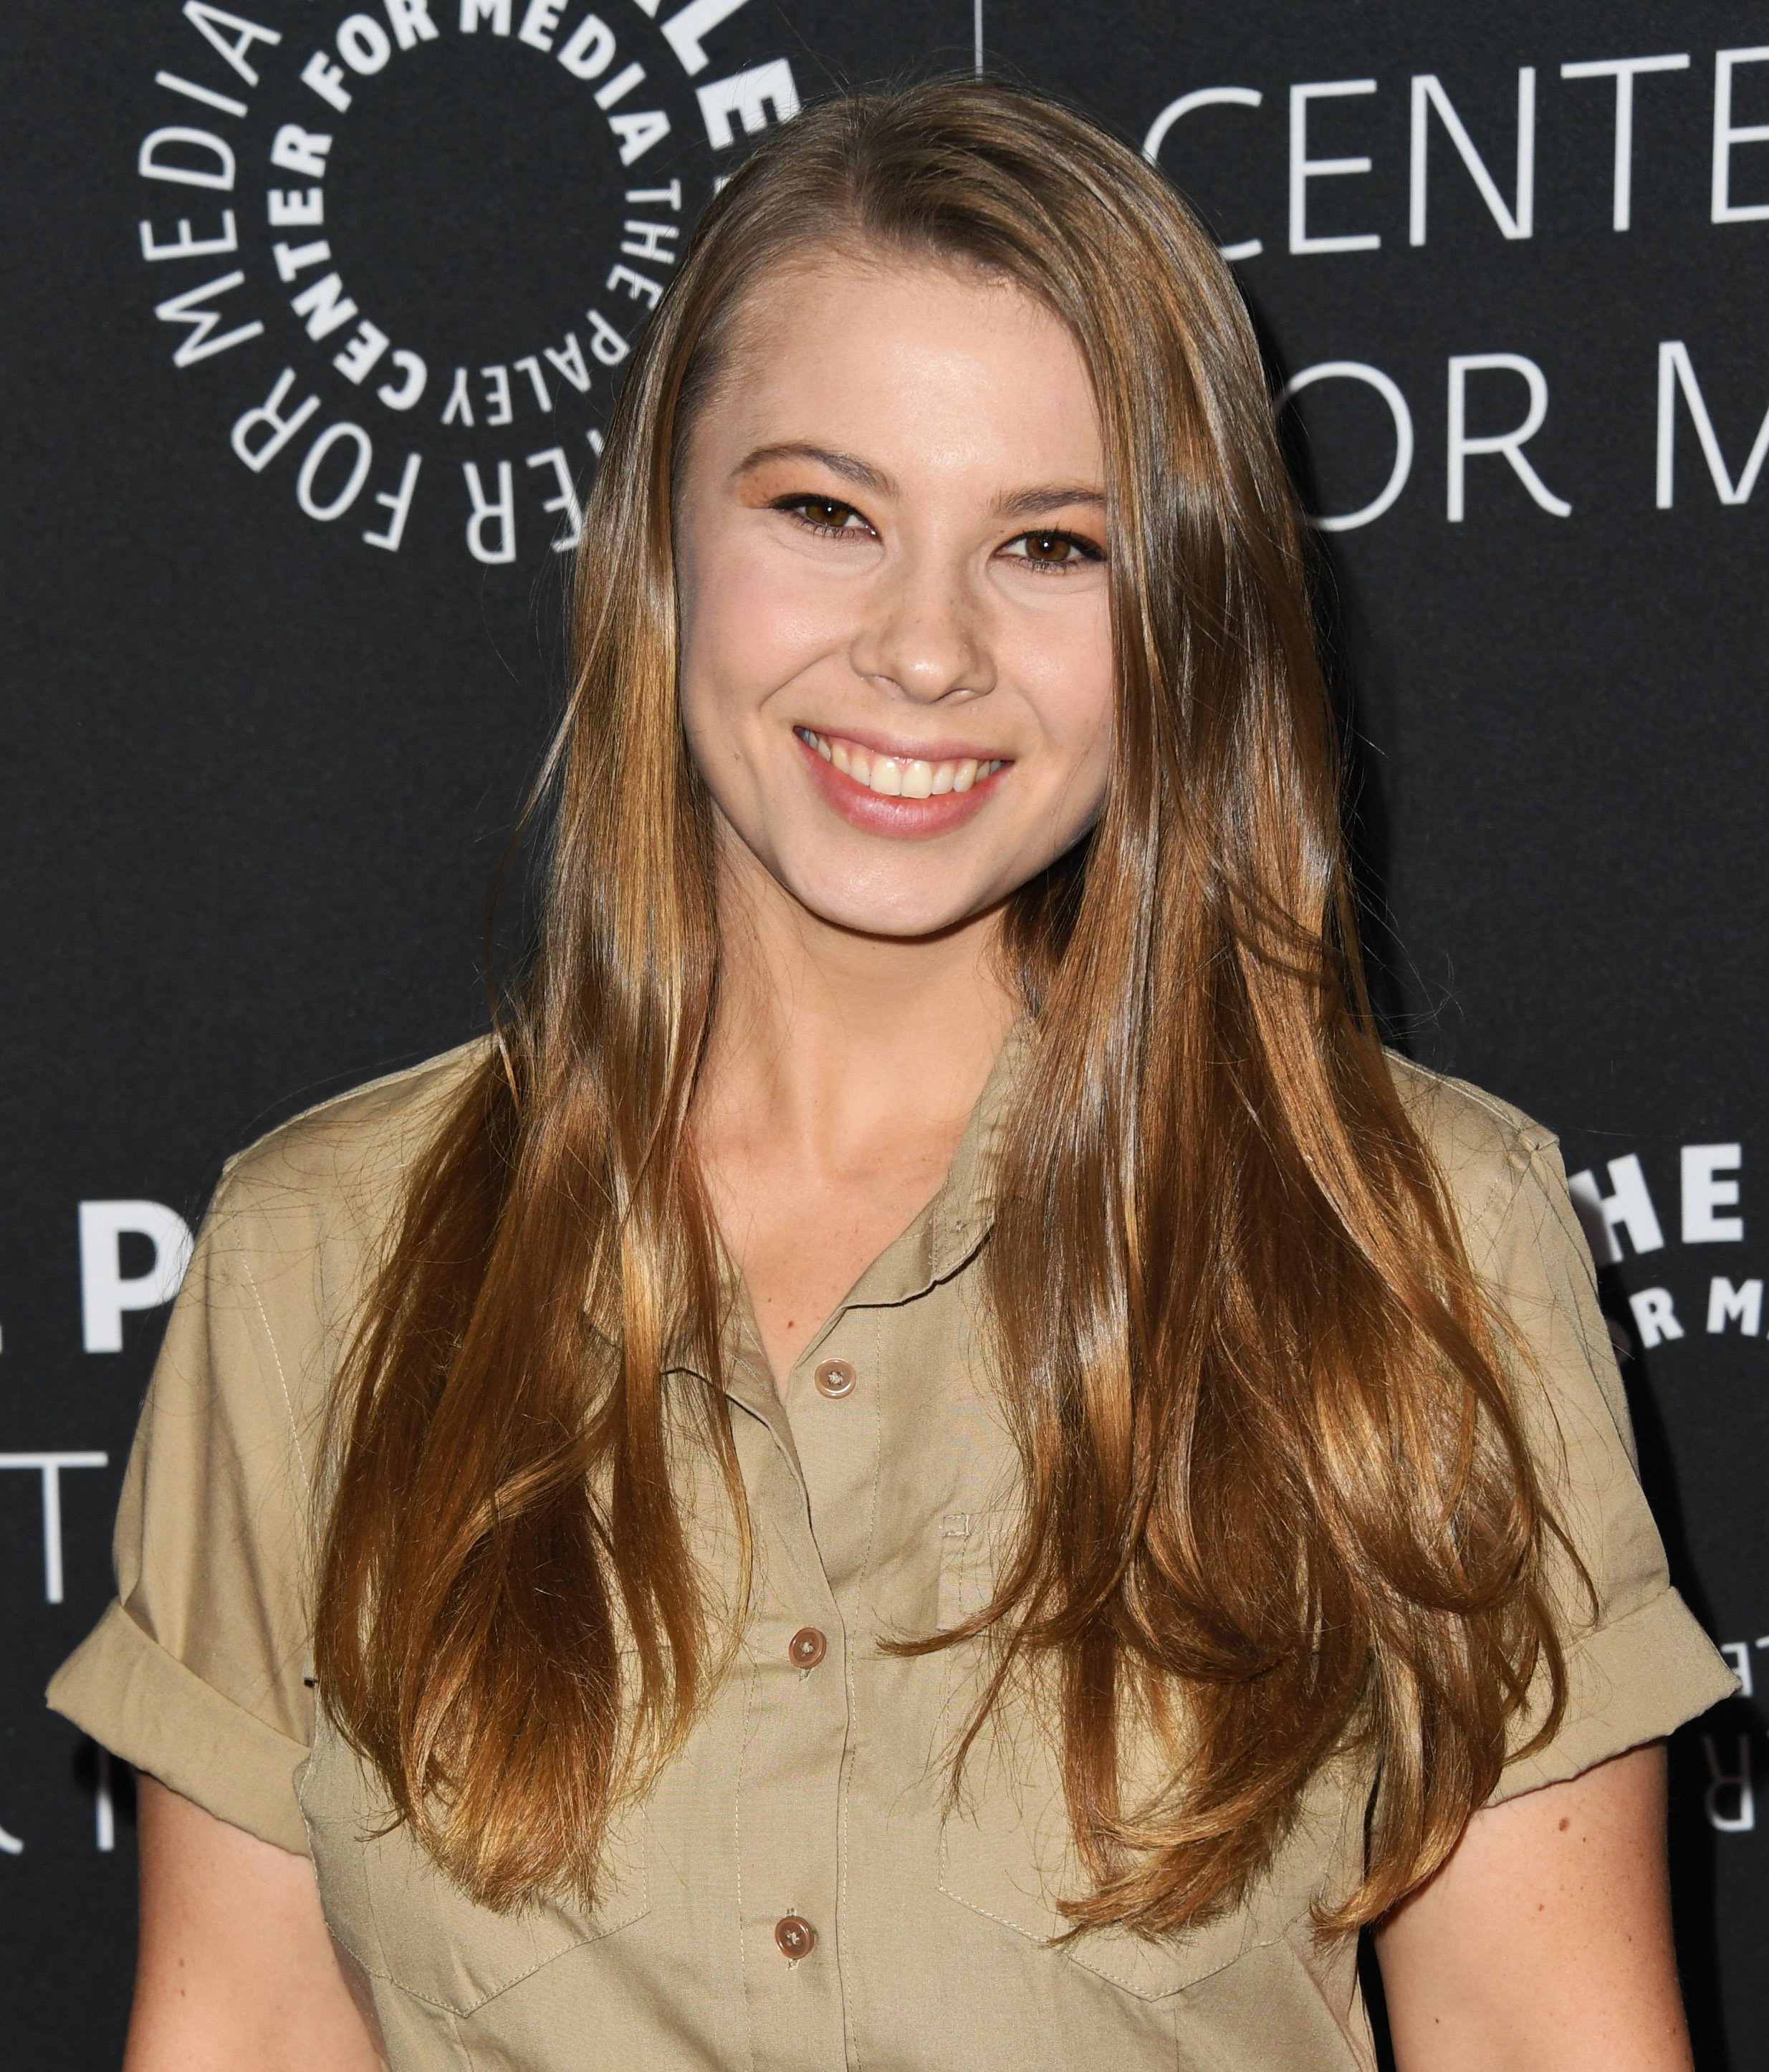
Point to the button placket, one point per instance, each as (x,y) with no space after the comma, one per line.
(790,1815)
(793,1817)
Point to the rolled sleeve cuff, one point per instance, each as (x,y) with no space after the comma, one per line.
(1632,1681)
(143,1704)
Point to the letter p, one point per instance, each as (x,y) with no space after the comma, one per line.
(106,1290)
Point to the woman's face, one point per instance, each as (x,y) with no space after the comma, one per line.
(897,671)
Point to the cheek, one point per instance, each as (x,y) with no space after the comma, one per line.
(751,621)
(1066,667)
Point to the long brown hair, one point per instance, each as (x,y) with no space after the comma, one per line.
(1272,1470)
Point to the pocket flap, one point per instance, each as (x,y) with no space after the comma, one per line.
(1006,1851)
(1015,1870)
(404,1920)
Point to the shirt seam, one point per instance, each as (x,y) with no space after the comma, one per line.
(1581,1637)
(849,2027)
(282,1378)
(1486,1220)
(737,1838)
(465,2055)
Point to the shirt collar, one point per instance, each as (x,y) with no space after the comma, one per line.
(942,1239)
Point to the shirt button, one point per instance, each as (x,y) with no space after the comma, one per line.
(807,1647)
(834,1378)
(794,1937)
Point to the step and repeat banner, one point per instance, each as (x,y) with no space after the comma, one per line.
(315,316)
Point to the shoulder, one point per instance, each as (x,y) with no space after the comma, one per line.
(1487,1150)
(340,1170)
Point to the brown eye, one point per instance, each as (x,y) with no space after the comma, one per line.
(1059,552)
(824,510)
(1049,547)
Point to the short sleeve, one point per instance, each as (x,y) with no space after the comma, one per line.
(197,1673)
(1638,1664)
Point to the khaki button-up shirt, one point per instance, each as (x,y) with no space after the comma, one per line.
(799,1892)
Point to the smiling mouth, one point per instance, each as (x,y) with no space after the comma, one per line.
(898,776)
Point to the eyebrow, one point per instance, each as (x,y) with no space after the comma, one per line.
(850,467)
(1029,503)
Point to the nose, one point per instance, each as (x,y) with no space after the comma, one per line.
(922,630)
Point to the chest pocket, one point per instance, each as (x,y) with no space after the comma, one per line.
(1005,1850)
(404,1921)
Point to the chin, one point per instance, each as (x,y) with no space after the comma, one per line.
(903,918)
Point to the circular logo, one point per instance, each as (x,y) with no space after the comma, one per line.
(413,246)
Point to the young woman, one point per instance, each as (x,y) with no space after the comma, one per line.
(932,1459)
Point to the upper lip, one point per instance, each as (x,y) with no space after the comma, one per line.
(905,751)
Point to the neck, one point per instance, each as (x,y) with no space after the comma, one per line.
(824,1040)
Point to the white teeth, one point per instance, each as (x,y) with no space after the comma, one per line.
(899,776)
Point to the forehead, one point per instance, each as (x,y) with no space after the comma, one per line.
(920,365)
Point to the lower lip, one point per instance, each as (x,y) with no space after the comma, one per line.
(908,819)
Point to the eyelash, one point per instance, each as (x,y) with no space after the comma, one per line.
(794,506)
(1089,552)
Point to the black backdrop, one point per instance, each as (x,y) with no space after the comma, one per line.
(273,681)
